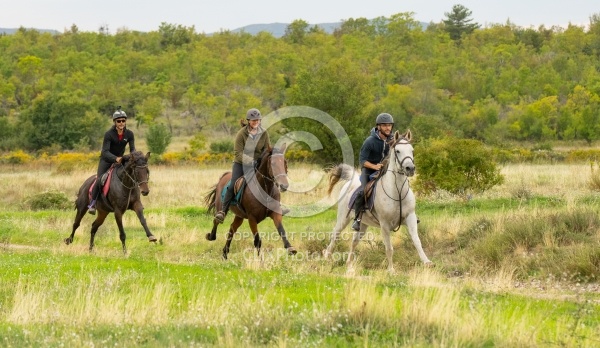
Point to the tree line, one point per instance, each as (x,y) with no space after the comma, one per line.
(454,78)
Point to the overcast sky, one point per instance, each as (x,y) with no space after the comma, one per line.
(215,15)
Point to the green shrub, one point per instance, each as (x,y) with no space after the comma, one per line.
(49,200)
(198,142)
(459,166)
(225,146)
(158,138)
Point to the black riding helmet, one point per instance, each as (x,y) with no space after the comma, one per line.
(384,118)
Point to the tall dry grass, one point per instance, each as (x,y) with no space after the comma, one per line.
(187,185)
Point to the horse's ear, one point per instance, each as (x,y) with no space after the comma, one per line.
(396,136)
(282,149)
(408,135)
(147,155)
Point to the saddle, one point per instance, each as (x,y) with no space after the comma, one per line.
(104,182)
(369,192)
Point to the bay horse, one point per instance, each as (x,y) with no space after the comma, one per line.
(128,182)
(394,202)
(260,199)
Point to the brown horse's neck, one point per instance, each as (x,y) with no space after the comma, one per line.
(126,177)
(263,178)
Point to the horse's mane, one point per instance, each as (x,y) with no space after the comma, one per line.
(137,155)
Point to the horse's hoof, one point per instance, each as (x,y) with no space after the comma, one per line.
(68,241)
(210,237)
(429,264)
(224,256)
(152,239)
(292,251)
(326,254)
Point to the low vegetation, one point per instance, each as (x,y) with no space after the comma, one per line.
(512,269)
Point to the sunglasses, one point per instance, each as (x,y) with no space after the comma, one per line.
(120,121)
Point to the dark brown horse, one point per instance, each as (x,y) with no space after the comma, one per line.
(128,182)
(260,199)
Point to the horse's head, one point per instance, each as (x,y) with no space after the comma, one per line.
(138,166)
(277,166)
(402,157)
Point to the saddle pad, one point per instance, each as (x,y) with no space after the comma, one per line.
(368,204)
(104,181)
(240,184)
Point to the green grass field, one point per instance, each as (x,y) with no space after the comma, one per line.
(516,267)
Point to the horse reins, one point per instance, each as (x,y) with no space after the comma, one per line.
(400,172)
(272,179)
(136,183)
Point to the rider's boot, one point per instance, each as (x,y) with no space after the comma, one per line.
(359,203)
(92,207)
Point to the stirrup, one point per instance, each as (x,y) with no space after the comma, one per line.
(356,225)
(220,217)
(92,207)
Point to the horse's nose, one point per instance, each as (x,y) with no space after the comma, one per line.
(145,193)
(410,170)
(283,187)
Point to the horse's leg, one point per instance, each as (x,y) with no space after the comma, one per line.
(95,225)
(139,210)
(122,236)
(342,221)
(389,249)
(213,233)
(254,228)
(351,256)
(278,220)
(411,224)
(237,222)
(78,217)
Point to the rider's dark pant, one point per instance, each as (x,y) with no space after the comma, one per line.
(103,167)
(359,203)
(236,172)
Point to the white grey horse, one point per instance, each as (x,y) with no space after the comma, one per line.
(394,201)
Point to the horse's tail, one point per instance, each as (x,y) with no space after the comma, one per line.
(210,198)
(340,172)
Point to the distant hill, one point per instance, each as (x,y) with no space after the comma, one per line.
(14,30)
(278,29)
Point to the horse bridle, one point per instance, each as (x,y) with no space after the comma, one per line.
(133,178)
(400,171)
(273,177)
(401,162)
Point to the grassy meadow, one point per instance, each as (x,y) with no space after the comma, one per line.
(515,267)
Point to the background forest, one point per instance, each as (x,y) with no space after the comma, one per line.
(497,84)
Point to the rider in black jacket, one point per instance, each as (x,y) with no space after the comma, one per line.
(113,148)
(372,152)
